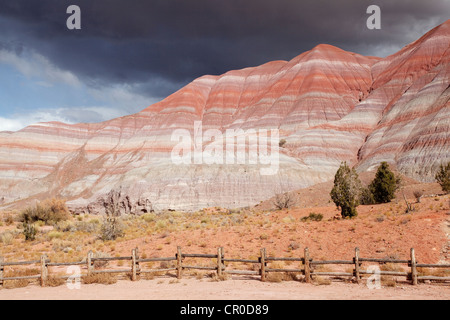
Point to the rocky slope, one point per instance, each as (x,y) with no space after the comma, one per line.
(328,104)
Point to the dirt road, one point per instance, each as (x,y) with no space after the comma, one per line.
(193,289)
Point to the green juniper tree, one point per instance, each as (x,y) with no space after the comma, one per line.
(346,191)
(443,177)
(384,185)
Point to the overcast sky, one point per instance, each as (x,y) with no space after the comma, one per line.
(130,54)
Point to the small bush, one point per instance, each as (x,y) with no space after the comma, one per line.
(9,220)
(418,195)
(111,229)
(149,217)
(52,210)
(161,224)
(55,235)
(313,217)
(284,201)
(65,226)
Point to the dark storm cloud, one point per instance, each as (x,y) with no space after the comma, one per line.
(158,46)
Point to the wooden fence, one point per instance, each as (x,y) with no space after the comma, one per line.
(218,263)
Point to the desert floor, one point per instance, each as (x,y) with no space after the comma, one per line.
(234,289)
(379,231)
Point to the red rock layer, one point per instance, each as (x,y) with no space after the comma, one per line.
(330,105)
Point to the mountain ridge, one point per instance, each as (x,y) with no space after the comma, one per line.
(329,105)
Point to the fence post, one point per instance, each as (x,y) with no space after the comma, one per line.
(89,262)
(413,267)
(307,267)
(219,262)
(44,270)
(358,278)
(138,267)
(263,264)
(133,265)
(179,261)
(1,271)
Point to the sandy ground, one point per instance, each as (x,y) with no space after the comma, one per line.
(234,289)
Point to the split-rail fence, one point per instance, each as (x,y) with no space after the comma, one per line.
(260,267)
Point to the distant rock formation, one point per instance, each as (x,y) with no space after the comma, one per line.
(328,105)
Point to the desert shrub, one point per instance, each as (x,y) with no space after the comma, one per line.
(8,219)
(443,177)
(282,143)
(284,201)
(51,210)
(346,190)
(418,195)
(29,231)
(384,184)
(111,229)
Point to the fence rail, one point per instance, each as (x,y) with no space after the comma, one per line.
(306,266)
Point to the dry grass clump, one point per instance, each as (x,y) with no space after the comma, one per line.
(313,217)
(215,278)
(281,276)
(6,238)
(15,272)
(8,218)
(54,281)
(388,281)
(322,281)
(99,278)
(435,272)
(13,284)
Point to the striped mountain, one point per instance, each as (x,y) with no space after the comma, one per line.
(328,104)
